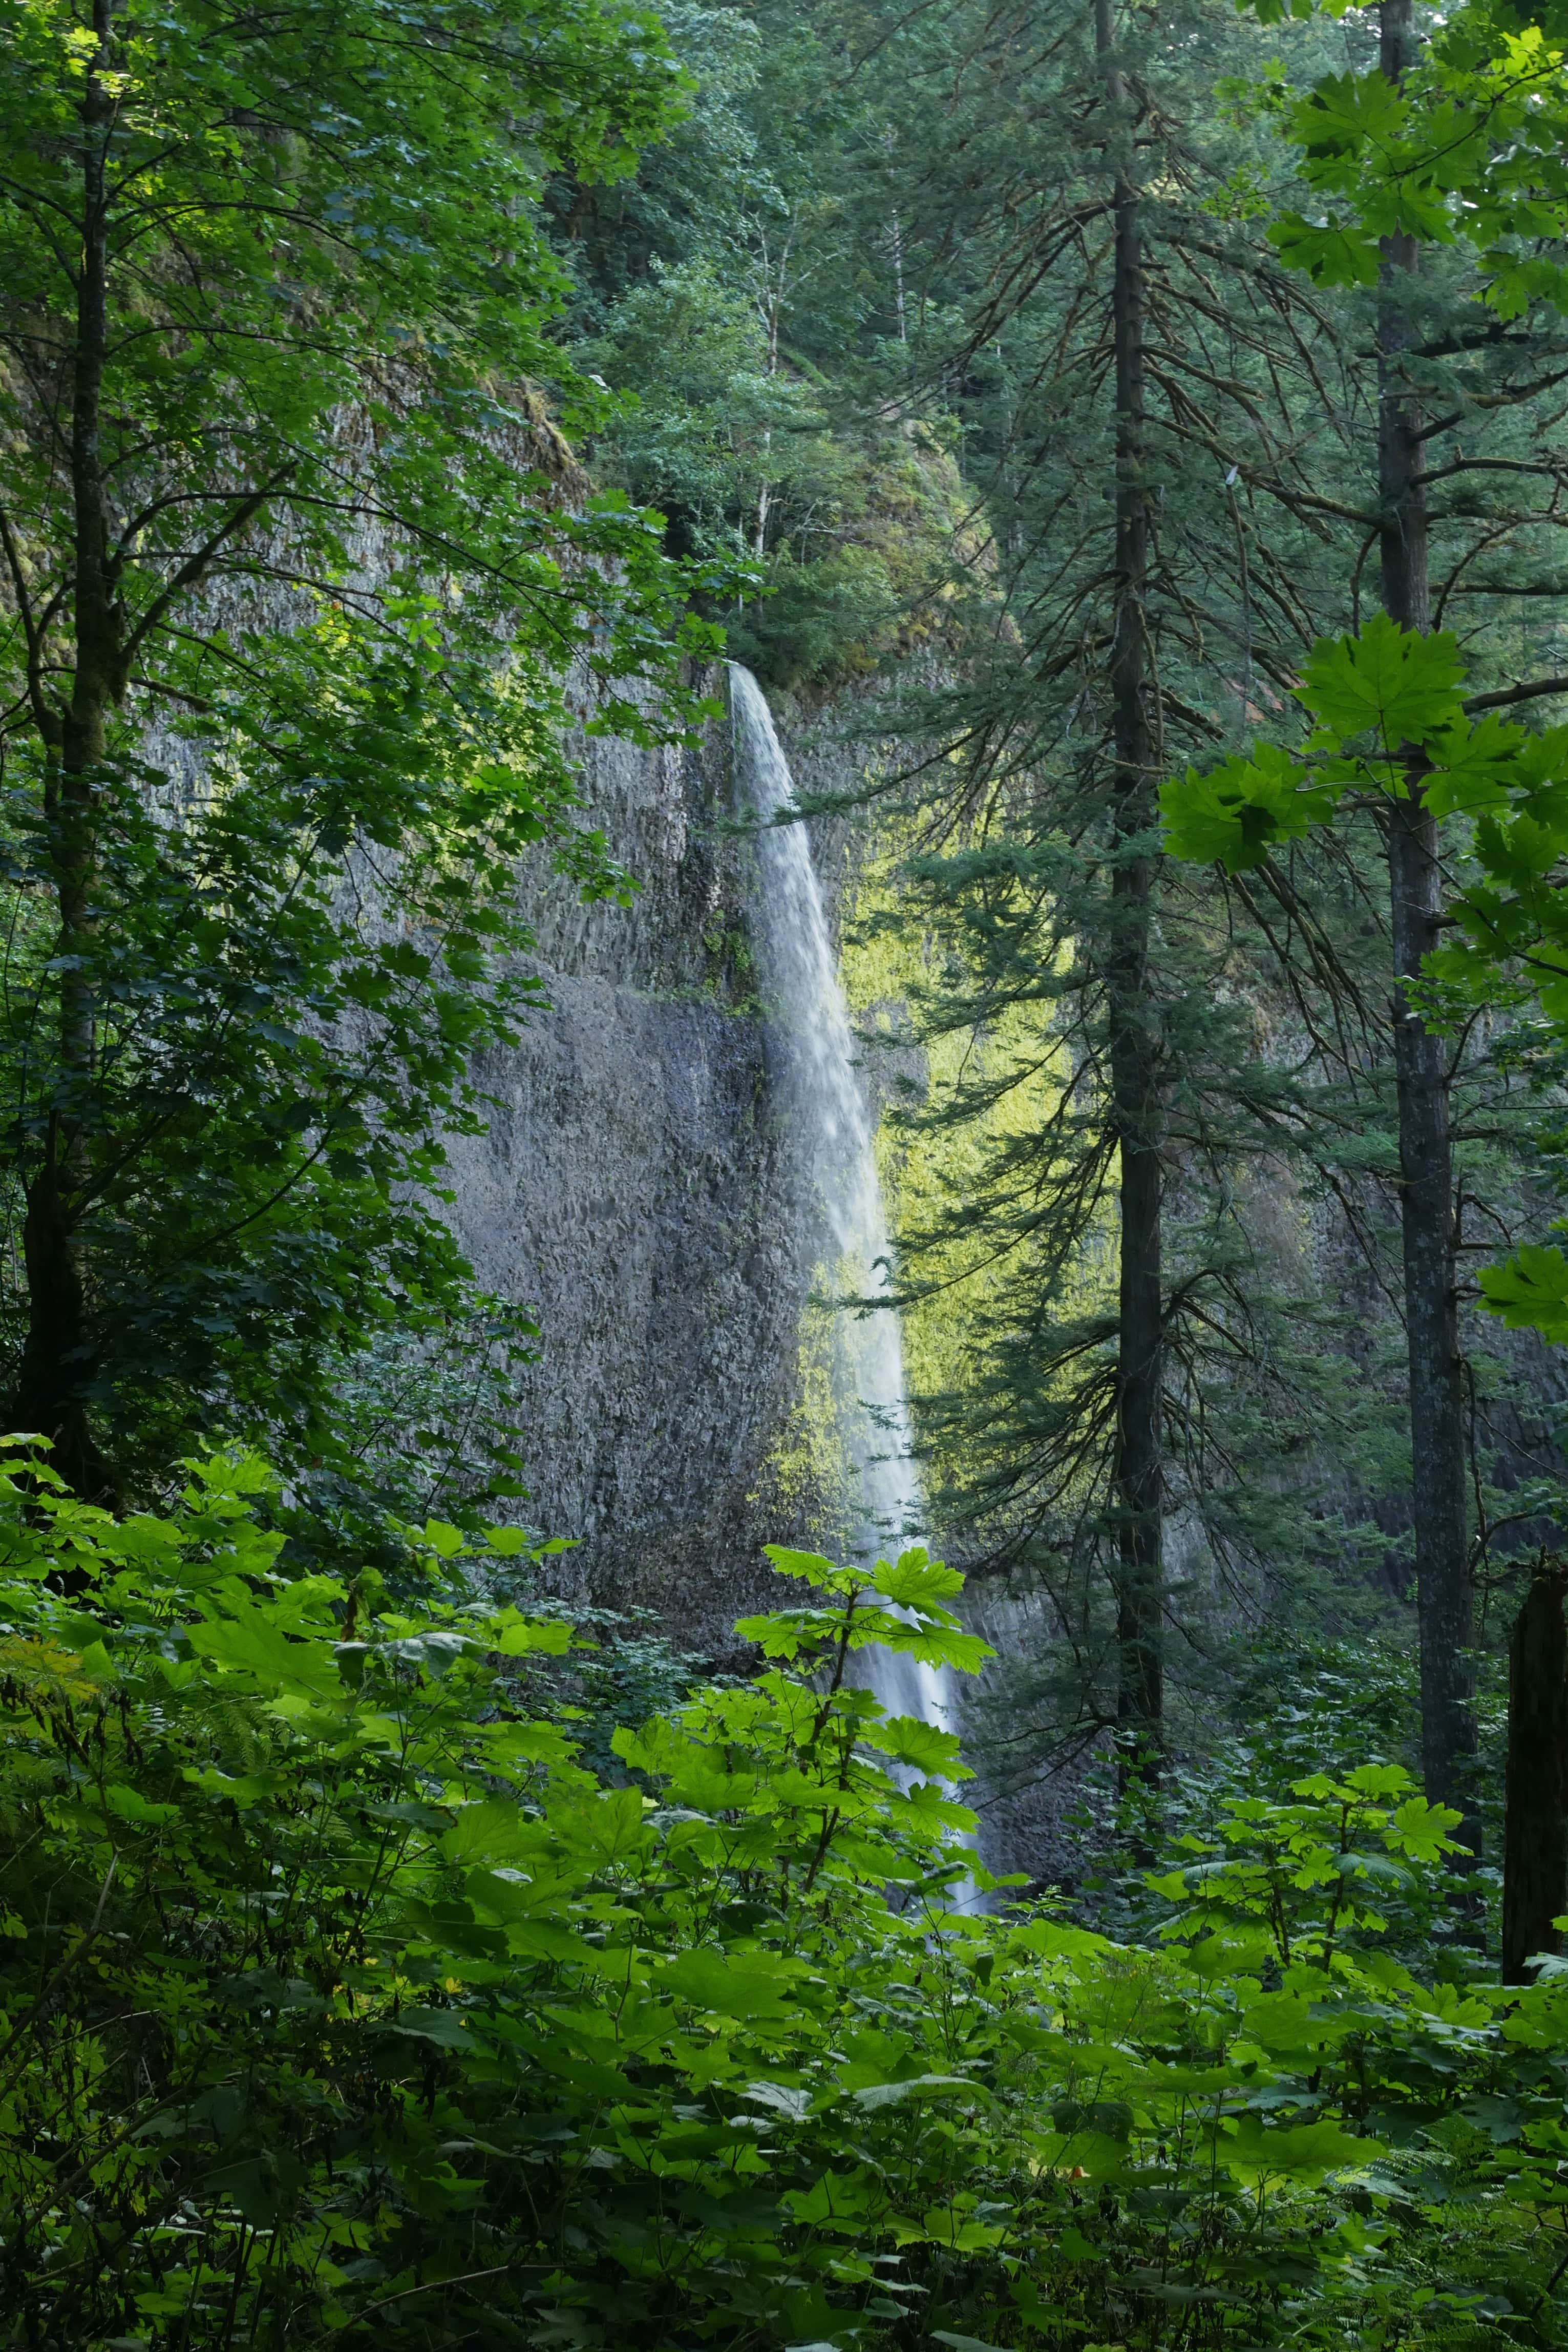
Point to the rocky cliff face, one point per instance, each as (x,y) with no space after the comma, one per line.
(639,1191)
(642,1190)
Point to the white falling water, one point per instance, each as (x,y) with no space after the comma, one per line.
(801,976)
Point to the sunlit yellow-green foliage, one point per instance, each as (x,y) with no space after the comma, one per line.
(926,1176)
(807,1472)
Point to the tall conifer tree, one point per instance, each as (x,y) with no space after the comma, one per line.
(1439,169)
(1147,433)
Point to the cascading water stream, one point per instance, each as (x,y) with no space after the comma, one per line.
(801,974)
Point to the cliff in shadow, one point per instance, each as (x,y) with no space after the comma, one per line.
(641,1191)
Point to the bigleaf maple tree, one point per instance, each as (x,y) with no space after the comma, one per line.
(296,564)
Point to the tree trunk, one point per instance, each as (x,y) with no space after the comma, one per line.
(1134,1028)
(56,1358)
(55,1355)
(1427,1187)
(1535,1822)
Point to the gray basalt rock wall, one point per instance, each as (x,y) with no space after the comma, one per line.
(637,1191)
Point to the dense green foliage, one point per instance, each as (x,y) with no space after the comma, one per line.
(338,1998)
(743,294)
(387,1951)
(298,568)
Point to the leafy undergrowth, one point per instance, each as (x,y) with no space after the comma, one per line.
(341,2004)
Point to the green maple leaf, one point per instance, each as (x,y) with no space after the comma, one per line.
(1236,812)
(1300,2152)
(249,1643)
(720,1985)
(1331,255)
(1518,855)
(1388,681)
(1421,1830)
(1474,767)
(919,1745)
(1541,779)
(915,1581)
(1529,1291)
(1347,110)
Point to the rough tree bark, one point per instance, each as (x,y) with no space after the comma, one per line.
(1535,1819)
(1426,1185)
(56,1366)
(1135,1048)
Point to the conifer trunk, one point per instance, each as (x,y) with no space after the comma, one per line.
(55,1359)
(1134,1029)
(1426,1161)
(1535,1822)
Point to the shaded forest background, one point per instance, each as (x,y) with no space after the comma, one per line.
(865,302)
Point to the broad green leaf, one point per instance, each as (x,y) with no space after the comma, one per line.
(1255,2150)
(521,1637)
(834,2197)
(786,1632)
(144,1541)
(235,1789)
(437,1650)
(1529,1291)
(908,1740)
(959,2231)
(1236,811)
(445,2027)
(1331,253)
(1374,1780)
(1346,111)
(130,1805)
(1391,682)
(492,1829)
(445,1541)
(250,1644)
(1053,1941)
(1537,2018)
(790,2100)
(1094,2154)
(914,1579)
(930,1642)
(606,1829)
(515,1747)
(874,2096)
(658,1748)
(1282,2023)
(927,1803)
(1520,852)
(548,1939)
(1499,2117)
(728,1985)
(508,1542)
(1474,767)
(807,1567)
(1421,1830)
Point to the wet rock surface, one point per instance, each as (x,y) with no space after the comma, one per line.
(641,1192)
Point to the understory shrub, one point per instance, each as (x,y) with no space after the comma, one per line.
(341,2002)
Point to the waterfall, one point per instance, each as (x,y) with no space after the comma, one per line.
(800,973)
